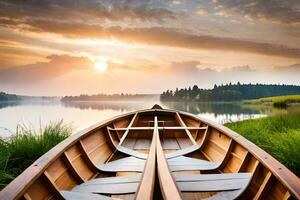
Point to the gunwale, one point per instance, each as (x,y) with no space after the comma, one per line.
(18,186)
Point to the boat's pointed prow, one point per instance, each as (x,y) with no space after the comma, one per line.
(156,106)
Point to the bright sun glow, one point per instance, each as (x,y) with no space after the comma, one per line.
(101,66)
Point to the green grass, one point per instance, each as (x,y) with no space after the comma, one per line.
(277,101)
(25,146)
(278,135)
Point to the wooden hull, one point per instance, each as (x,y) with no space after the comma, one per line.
(155,154)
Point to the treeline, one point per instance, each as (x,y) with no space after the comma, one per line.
(229,92)
(9,97)
(108,97)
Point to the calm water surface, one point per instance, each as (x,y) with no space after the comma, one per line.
(83,114)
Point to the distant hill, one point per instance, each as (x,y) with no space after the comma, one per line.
(229,92)
(14,97)
(9,97)
(113,97)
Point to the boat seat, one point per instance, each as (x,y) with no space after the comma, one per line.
(128,164)
(131,152)
(183,163)
(182,151)
(228,186)
(111,185)
(68,195)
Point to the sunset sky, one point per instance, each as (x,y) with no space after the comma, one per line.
(69,47)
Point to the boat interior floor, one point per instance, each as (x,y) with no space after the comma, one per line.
(188,172)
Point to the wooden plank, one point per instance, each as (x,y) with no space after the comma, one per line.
(112,180)
(142,144)
(183,163)
(263,189)
(68,195)
(74,172)
(86,157)
(184,142)
(130,164)
(129,143)
(170,143)
(46,177)
(208,177)
(212,185)
(146,187)
(227,155)
(127,130)
(113,188)
(181,122)
(183,151)
(167,184)
(146,128)
(132,152)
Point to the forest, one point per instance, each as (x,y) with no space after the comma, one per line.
(8,97)
(229,92)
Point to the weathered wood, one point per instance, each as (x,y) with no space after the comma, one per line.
(130,164)
(183,151)
(131,152)
(212,185)
(181,122)
(142,144)
(111,180)
(183,163)
(84,196)
(146,187)
(263,189)
(170,143)
(167,184)
(146,128)
(113,188)
(127,131)
(210,177)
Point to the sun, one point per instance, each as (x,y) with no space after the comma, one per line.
(101,66)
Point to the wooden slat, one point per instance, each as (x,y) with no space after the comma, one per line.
(86,157)
(183,163)
(146,187)
(168,186)
(210,177)
(132,152)
(181,122)
(142,144)
(52,185)
(170,143)
(129,164)
(113,188)
(263,189)
(146,128)
(212,185)
(70,166)
(183,151)
(127,130)
(227,155)
(68,195)
(112,180)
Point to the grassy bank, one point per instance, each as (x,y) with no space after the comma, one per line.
(277,101)
(21,149)
(278,135)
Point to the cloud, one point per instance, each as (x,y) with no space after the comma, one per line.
(57,65)
(81,10)
(285,12)
(161,36)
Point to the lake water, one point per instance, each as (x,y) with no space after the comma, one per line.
(83,114)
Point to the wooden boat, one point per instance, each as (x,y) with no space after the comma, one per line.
(155,154)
